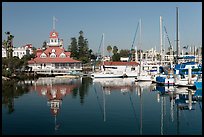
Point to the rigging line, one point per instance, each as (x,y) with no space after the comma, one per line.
(133,109)
(167,37)
(130,54)
(98,99)
(134,39)
(100,44)
(98,51)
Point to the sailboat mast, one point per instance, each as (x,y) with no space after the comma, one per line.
(140,43)
(103,49)
(177,35)
(161,39)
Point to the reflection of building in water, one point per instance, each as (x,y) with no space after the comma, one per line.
(54,91)
(119,84)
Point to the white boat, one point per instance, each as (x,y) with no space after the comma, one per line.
(114,82)
(119,84)
(144,76)
(128,69)
(184,81)
(107,74)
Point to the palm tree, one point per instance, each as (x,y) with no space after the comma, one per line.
(8,44)
(5,44)
(109,49)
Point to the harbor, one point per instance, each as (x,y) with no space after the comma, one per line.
(137,72)
(107,107)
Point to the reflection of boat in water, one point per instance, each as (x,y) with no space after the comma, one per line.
(165,89)
(144,84)
(122,84)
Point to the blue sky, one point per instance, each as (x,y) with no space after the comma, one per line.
(31,22)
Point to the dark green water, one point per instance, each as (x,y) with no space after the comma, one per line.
(87,107)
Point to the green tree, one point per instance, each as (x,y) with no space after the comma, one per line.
(73,48)
(8,45)
(109,49)
(83,48)
(115,49)
(34,51)
(44,46)
(116,57)
(79,49)
(124,53)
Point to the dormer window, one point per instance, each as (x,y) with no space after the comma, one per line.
(52,55)
(43,55)
(62,55)
(53,50)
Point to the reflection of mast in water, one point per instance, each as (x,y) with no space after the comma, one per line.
(140,91)
(158,97)
(172,101)
(104,105)
(190,99)
(162,114)
(177,116)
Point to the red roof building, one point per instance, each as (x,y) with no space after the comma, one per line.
(54,59)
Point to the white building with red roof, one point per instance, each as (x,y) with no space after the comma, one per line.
(54,59)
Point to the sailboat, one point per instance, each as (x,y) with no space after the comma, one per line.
(107,73)
(143,75)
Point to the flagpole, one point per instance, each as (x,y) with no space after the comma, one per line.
(53,23)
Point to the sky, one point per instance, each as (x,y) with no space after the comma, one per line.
(31,22)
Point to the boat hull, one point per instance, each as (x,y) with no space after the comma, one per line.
(198,84)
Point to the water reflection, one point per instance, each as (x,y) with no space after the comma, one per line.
(180,99)
(120,84)
(54,90)
(10,91)
(172,101)
(126,86)
(126,106)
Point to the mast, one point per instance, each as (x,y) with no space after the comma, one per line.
(104,106)
(103,49)
(161,39)
(140,43)
(140,33)
(177,35)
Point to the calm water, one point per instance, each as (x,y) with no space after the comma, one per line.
(54,106)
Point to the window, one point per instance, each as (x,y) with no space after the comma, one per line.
(52,55)
(62,55)
(53,50)
(43,55)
